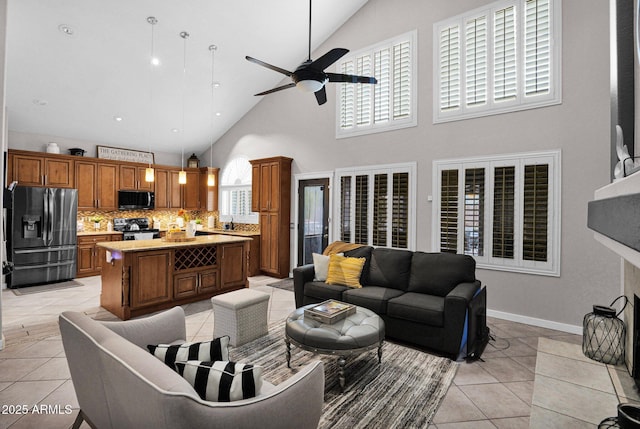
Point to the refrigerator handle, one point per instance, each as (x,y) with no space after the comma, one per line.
(52,213)
(45,222)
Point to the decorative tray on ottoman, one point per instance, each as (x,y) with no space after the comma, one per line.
(330,311)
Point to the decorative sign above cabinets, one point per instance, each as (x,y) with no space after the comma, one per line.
(118,154)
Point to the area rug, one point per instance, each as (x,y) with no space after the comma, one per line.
(286,284)
(28,290)
(404,391)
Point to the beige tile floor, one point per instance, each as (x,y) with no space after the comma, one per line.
(494,393)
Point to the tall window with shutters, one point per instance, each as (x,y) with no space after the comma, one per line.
(376,206)
(500,58)
(503,210)
(389,104)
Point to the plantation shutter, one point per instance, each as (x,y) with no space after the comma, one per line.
(503,212)
(537,47)
(345,208)
(474,211)
(401,80)
(363,92)
(449,68)
(400,211)
(535,216)
(361,230)
(381,89)
(347,99)
(476,61)
(449,211)
(380,210)
(504,45)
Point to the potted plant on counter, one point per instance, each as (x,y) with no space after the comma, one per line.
(96,222)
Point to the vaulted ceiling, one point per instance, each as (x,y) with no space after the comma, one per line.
(76,85)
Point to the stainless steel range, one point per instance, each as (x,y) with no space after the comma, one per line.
(136,228)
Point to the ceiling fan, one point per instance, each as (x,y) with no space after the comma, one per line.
(310,75)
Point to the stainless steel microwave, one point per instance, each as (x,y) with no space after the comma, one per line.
(136,200)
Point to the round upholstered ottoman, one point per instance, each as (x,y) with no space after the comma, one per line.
(357,333)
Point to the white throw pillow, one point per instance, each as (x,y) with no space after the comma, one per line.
(321,266)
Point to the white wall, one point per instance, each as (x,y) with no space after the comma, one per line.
(290,123)
(38,143)
(3,142)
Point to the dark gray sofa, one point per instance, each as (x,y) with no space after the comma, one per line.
(422,297)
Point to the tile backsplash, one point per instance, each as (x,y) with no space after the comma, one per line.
(165,216)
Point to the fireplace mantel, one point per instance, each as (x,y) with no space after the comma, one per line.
(614,216)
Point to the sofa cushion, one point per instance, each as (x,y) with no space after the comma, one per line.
(218,349)
(345,270)
(438,273)
(372,297)
(390,268)
(418,307)
(362,252)
(321,266)
(222,381)
(322,291)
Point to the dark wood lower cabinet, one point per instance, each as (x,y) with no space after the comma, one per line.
(141,282)
(91,257)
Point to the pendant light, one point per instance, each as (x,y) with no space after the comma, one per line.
(148,172)
(211,178)
(182,176)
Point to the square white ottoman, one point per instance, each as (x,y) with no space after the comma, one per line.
(241,314)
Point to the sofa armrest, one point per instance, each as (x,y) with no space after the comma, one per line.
(302,275)
(455,311)
(161,328)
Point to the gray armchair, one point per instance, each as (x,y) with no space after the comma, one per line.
(121,385)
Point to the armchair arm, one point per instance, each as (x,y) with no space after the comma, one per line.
(302,275)
(455,311)
(161,328)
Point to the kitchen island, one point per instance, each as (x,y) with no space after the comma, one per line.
(144,276)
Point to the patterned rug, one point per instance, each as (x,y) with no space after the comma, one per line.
(28,290)
(286,284)
(404,391)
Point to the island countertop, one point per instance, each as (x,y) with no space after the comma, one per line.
(160,243)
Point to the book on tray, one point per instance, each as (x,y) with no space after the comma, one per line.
(330,311)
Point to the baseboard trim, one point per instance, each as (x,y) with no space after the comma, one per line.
(542,323)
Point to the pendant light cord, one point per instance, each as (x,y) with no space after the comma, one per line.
(184,36)
(213,49)
(309,58)
(153,21)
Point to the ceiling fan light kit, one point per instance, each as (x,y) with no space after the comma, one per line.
(310,76)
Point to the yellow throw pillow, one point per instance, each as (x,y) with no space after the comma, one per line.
(345,271)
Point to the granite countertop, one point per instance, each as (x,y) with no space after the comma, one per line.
(159,243)
(86,233)
(232,232)
(225,232)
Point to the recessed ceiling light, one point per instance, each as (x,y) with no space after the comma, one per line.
(155,61)
(39,102)
(217,84)
(218,114)
(174,130)
(66,29)
(117,118)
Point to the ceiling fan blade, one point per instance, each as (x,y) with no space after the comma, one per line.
(329,58)
(269,66)
(337,77)
(279,88)
(321,96)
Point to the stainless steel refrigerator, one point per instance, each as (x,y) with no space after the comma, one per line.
(42,235)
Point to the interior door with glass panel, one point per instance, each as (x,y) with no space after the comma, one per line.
(313,218)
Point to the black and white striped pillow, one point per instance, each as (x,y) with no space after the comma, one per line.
(218,349)
(222,381)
